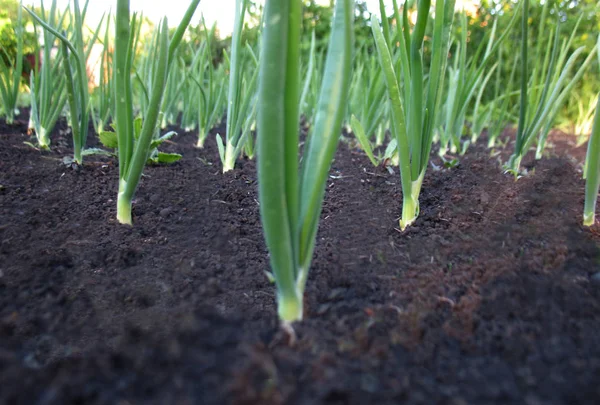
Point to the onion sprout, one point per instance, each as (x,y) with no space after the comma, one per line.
(412,116)
(592,169)
(135,141)
(291,202)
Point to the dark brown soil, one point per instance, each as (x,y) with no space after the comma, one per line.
(492,297)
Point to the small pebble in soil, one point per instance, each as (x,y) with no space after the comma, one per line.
(165,212)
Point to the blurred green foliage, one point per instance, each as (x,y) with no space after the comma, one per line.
(8,39)
(568,13)
(317,17)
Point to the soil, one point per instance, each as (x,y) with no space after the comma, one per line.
(491,297)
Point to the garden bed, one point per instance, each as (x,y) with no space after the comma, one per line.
(491,297)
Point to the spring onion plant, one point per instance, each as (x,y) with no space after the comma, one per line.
(481,115)
(176,82)
(291,198)
(189,93)
(242,90)
(212,102)
(188,111)
(77,81)
(413,111)
(10,75)
(248,129)
(583,124)
(363,140)
(144,67)
(102,101)
(502,105)
(465,77)
(592,166)
(209,81)
(306,106)
(550,84)
(133,153)
(312,83)
(47,82)
(368,104)
(243,116)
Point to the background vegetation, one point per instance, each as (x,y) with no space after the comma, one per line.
(317,17)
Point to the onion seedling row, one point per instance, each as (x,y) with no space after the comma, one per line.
(102,102)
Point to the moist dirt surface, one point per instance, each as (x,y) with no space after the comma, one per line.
(491,297)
